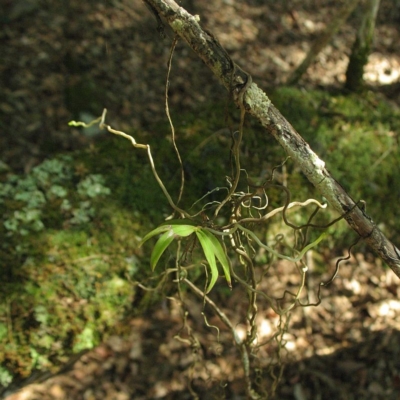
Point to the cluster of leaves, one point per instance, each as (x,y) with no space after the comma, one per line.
(177,229)
(25,199)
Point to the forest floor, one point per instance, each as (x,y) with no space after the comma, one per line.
(64,64)
(345,348)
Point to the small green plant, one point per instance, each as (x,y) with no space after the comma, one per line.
(229,232)
(25,200)
(176,229)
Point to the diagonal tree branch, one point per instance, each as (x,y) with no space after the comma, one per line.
(250,97)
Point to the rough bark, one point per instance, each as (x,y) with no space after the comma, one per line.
(259,105)
(362,46)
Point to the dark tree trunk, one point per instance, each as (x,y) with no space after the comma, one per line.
(324,38)
(362,46)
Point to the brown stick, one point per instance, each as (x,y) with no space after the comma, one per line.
(259,105)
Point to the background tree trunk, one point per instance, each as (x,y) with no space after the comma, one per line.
(323,40)
(362,46)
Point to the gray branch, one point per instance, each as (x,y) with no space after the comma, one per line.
(257,103)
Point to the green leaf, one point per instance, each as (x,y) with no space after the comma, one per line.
(181,227)
(220,254)
(155,232)
(212,248)
(184,230)
(170,232)
(162,243)
(208,249)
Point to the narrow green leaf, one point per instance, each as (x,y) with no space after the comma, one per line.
(155,232)
(181,227)
(208,249)
(162,243)
(220,254)
(183,230)
(170,232)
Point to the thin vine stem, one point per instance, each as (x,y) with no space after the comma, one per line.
(103,125)
(169,63)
